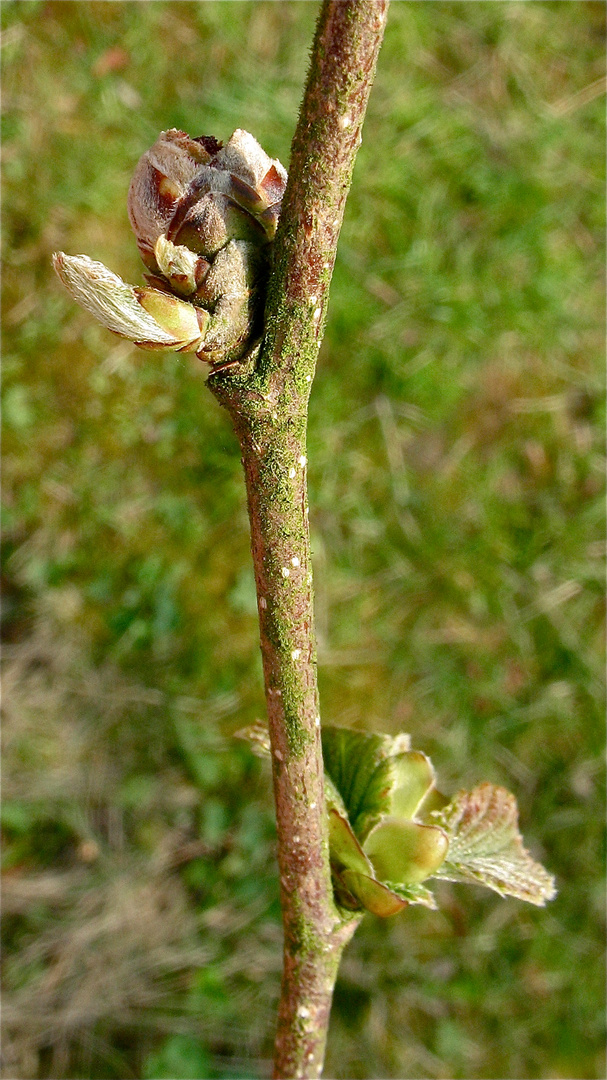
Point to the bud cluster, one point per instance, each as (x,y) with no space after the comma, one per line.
(204,216)
(390,830)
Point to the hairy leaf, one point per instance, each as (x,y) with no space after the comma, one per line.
(413,894)
(486,847)
(117,304)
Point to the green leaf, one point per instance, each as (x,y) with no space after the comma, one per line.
(404,851)
(375,797)
(361,765)
(332,797)
(413,894)
(486,847)
(371,894)
(413,780)
(344,848)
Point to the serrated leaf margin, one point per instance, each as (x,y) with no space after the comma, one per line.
(486,847)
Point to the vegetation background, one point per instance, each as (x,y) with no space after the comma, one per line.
(457,519)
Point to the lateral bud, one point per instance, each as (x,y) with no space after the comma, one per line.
(204,216)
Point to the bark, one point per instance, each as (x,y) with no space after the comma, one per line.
(268,402)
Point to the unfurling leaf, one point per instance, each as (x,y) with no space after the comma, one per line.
(122,308)
(413,783)
(380,854)
(405,851)
(346,852)
(204,216)
(358,764)
(369,893)
(375,775)
(486,847)
(413,894)
(258,737)
(390,829)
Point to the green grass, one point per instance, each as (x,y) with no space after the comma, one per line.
(456,480)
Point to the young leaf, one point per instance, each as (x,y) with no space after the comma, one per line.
(413,780)
(334,800)
(126,310)
(346,852)
(361,765)
(413,894)
(486,847)
(404,851)
(373,895)
(258,737)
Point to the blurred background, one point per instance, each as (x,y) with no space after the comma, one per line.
(455,461)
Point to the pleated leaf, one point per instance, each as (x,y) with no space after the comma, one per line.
(486,847)
(376,775)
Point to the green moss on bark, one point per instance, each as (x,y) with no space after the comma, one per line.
(267,398)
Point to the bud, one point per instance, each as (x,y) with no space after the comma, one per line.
(204,216)
(381,850)
(149,317)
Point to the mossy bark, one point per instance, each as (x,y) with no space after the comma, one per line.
(268,401)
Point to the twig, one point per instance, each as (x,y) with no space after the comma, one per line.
(268,404)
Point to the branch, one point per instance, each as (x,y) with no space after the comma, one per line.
(344,54)
(268,404)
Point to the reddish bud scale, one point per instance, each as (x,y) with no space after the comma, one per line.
(203,214)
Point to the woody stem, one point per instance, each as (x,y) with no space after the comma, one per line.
(268,405)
